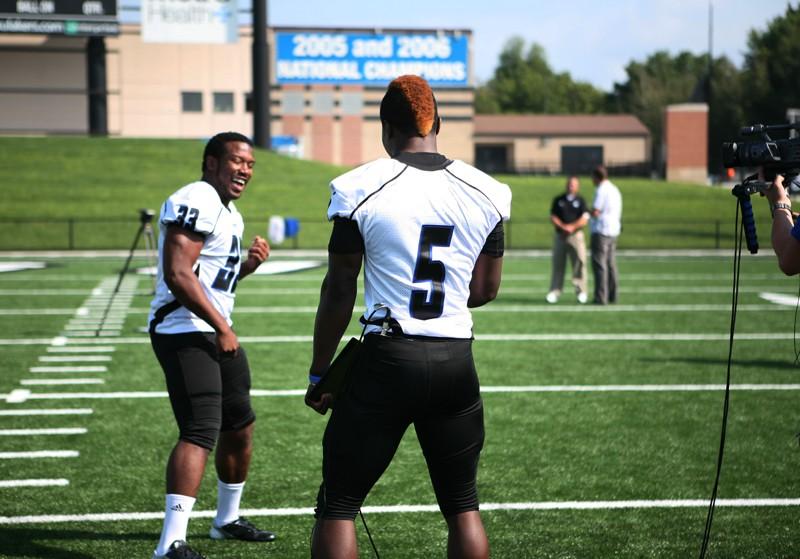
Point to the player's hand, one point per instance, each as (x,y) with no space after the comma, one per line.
(320,406)
(258,251)
(227,342)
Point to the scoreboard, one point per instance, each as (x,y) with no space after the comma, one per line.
(59,17)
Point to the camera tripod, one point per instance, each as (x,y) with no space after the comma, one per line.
(146,230)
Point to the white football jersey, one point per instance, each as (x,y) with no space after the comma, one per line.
(197,207)
(424,220)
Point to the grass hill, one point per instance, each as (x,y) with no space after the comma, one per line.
(62,192)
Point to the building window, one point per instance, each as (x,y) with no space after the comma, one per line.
(248,102)
(223,102)
(192,101)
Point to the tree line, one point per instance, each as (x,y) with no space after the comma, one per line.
(767,84)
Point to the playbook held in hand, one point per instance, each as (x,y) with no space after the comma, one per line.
(336,377)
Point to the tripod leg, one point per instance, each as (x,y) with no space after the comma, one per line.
(150,250)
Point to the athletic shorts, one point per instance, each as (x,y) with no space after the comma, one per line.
(209,391)
(398,381)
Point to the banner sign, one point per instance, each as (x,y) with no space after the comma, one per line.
(371,59)
(59,17)
(189,21)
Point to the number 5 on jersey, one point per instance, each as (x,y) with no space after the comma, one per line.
(425,305)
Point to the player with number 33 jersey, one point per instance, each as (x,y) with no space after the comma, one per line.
(197,207)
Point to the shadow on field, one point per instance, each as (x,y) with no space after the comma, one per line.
(781,364)
(41,543)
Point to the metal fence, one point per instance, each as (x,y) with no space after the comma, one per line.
(119,233)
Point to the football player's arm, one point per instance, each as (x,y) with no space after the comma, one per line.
(485,280)
(488,269)
(257,254)
(336,301)
(181,251)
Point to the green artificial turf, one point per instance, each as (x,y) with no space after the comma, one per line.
(542,447)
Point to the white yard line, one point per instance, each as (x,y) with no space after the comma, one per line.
(405,509)
(35,312)
(60,381)
(93,326)
(40,454)
(787,290)
(81,349)
(19,396)
(62,411)
(625,337)
(70,369)
(43,292)
(568,306)
(37,432)
(606,337)
(74,358)
(32,483)
(656,276)
(640,388)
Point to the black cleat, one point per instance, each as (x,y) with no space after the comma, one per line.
(240,529)
(179,550)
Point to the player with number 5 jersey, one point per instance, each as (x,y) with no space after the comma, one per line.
(429,232)
(207,373)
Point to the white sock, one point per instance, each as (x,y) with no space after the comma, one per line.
(176,521)
(228,497)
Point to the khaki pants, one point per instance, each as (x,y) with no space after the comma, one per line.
(573,246)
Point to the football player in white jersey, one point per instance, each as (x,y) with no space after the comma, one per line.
(206,371)
(429,231)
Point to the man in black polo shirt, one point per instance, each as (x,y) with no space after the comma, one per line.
(569,214)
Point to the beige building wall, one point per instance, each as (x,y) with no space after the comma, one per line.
(43,85)
(544,152)
(150,78)
(43,90)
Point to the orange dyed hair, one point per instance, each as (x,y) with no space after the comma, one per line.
(409,105)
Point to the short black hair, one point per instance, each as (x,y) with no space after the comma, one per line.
(216,145)
(600,173)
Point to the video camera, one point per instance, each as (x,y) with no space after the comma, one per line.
(773,156)
(780,156)
(146,216)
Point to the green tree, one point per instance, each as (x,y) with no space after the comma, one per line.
(523,82)
(726,113)
(772,69)
(661,80)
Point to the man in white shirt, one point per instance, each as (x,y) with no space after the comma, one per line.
(606,224)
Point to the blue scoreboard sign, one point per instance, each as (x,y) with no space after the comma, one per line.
(371,59)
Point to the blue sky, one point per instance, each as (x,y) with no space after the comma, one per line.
(591,39)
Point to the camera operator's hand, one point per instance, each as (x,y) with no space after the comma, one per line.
(775,193)
(784,242)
